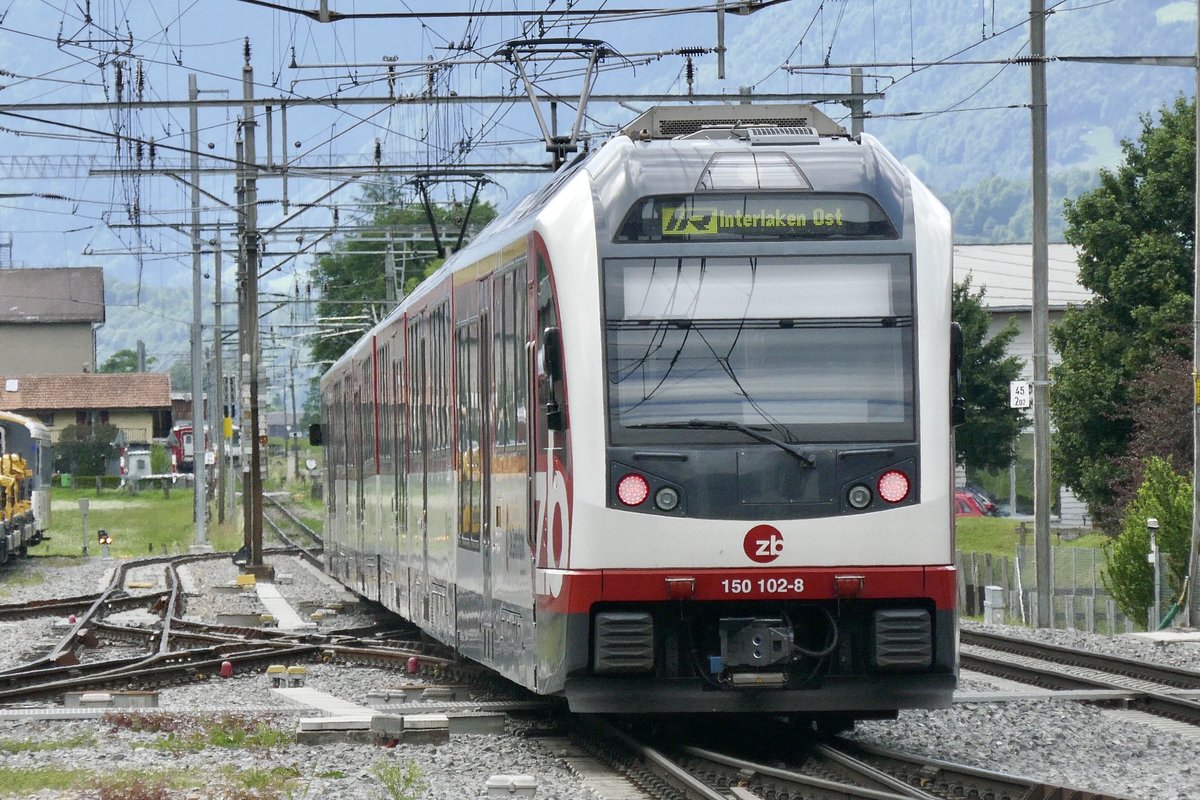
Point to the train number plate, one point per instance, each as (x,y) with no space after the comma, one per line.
(762,586)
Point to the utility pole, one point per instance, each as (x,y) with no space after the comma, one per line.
(295,422)
(1193,571)
(219,378)
(389,273)
(243,386)
(856,106)
(199,440)
(1041,317)
(252,491)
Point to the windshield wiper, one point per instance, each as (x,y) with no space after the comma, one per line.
(730,425)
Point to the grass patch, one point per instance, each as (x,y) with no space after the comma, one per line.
(122,785)
(1000,537)
(273,782)
(24,782)
(85,739)
(400,781)
(192,734)
(142,524)
(149,523)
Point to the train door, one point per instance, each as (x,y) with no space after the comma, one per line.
(399,489)
(419,468)
(473,347)
(484,449)
(359,516)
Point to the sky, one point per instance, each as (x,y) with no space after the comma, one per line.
(73,194)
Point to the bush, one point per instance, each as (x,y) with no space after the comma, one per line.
(160,460)
(1167,497)
(85,448)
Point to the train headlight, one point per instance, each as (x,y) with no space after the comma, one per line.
(893,486)
(633,490)
(666,498)
(859,496)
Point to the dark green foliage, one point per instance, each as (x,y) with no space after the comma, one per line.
(998,209)
(181,375)
(1135,238)
(987,440)
(1159,398)
(124,361)
(352,281)
(85,449)
(1167,497)
(311,413)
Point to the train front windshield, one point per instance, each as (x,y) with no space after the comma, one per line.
(819,346)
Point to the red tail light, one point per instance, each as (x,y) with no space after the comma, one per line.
(633,490)
(893,486)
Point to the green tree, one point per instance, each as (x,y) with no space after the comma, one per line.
(987,440)
(1135,235)
(85,449)
(124,361)
(998,209)
(181,375)
(352,281)
(1167,497)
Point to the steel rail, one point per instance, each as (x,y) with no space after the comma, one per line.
(744,770)
(659,767)
(162,669)
(1059,676)
(947,779)
(311,556)
(1140,670)
(141,670)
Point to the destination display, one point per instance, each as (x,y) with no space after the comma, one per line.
(758,217)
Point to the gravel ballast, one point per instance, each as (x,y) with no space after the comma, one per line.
(1053,741)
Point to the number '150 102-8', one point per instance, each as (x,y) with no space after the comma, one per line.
(763,585)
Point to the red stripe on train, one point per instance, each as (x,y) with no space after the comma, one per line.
(578,590)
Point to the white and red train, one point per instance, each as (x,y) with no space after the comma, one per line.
(674,434)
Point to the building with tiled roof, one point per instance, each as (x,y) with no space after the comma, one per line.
(48,319)
(137,403)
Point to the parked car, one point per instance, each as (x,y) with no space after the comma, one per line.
(985,500)
(967,505)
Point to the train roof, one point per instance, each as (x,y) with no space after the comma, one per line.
(666,151)
(35,427)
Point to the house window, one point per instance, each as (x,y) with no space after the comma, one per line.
(104,417)
(81,418)
(47,418)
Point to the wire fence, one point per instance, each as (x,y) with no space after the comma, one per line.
(1004,590)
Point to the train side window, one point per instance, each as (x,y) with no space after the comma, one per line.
(469,464)
(550,345)
(500,376)
(520,387)
(416,404)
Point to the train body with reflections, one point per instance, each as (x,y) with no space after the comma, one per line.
(675,433)
(26,465)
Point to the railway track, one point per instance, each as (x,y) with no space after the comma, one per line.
(292,531)
(813,769)
(1154,688)
(175,650)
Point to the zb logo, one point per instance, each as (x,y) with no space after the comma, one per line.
(679,222)
(763,544)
